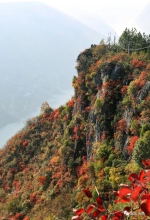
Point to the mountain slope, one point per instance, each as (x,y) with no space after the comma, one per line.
(93,140)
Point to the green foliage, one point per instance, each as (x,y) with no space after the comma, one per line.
(91,169)
(127,101)
(98,166)
(98,105)
(104,151)
(2,194)
(145,127)
(116,176)
(135,126)
(132,167)
(132,88)
(100,50)
(26,207)
(133,39)
(142,149)
(14,206)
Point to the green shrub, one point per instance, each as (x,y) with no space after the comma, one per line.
(142,149)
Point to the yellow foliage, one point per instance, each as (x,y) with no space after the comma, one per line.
(50,217)
(82,180)
(115,176)
(81,198)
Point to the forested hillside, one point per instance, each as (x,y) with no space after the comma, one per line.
(90,145)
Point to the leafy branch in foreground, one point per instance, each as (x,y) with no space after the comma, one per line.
(136,196)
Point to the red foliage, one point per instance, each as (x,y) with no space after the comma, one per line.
(25,143)
(121,125)
(123,192)
(146,163)
(83,168)
(104,217)
(71,103)
(76,128)
(33,197)
(79,211)
(18,216)
(99,201)
(88,193)
(75,137)
(137,191)
(56,113)
(96,213)
(118,215)
(124,90)
(90,209)
(145,206)
(17,185)
(65,118)
(42,180)
(133,140)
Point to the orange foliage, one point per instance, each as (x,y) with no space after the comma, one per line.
(33,197)
(17,185)
(56,113)
(54,160)
(83,168)
(148,67)
(42,180)
(137,63)
(71,103)
(26,218)
(124,90)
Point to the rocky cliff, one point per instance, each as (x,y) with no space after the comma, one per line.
(93,140)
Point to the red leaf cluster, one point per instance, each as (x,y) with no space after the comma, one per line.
(137,191)
(42,180)
(88,193)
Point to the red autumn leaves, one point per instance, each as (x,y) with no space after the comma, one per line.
(25,143)
(88,193)
(94,209)
(137,193)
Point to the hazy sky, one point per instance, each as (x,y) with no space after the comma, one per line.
(117,13)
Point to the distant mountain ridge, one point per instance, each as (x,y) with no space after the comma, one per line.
(95,22)
(143,19)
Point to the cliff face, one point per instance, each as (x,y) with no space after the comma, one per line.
(92,140)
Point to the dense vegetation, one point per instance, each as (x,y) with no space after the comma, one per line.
(92,144)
